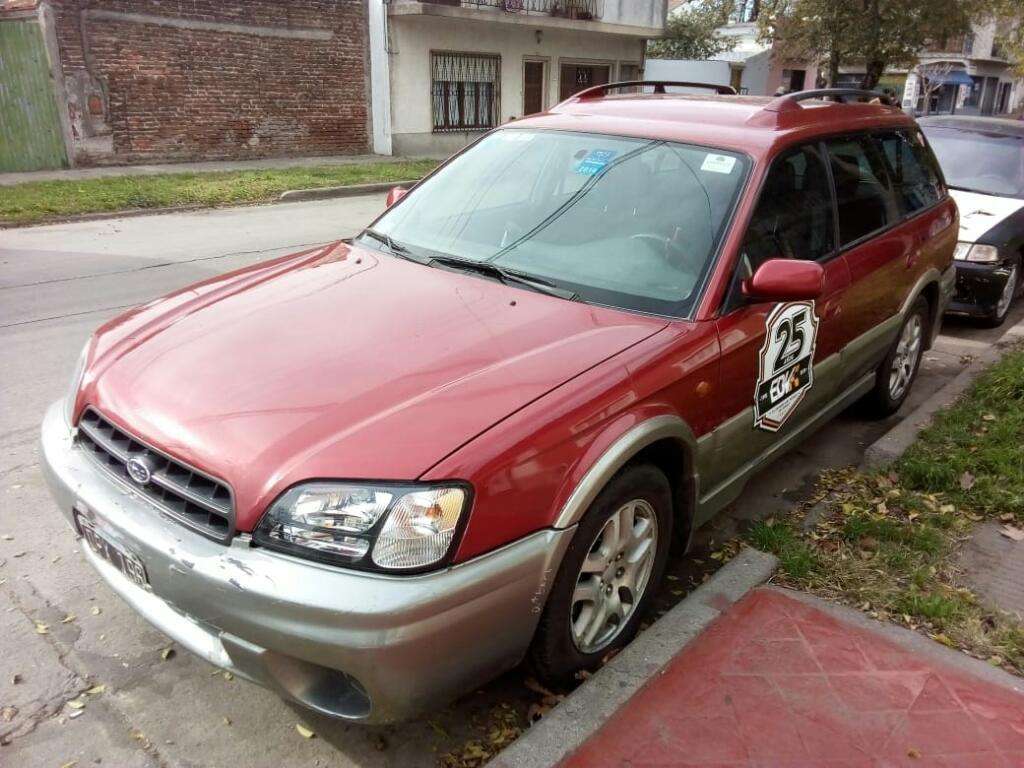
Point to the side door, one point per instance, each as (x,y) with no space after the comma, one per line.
(794,219)
(875,248)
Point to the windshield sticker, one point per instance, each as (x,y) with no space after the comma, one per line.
(595,161)
(718,163)
(786,366)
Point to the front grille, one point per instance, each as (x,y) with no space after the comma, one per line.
(186,494)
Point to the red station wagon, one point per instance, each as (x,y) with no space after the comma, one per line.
(373,475)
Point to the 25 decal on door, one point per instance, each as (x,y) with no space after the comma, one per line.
(786,367)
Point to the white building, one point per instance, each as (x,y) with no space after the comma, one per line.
(981,81)
(446,70)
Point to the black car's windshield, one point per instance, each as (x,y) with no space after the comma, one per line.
(624,222)
(979,161)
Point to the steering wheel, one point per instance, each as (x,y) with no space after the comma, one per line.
(666,247)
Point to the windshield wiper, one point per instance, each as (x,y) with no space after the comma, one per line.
(395,247)
(506,276)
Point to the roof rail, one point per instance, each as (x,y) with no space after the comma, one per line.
(791,101)
(597,91)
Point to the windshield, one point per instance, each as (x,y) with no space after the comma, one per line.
(989,163)
(624,222)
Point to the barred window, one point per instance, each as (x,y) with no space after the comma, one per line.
(464,91)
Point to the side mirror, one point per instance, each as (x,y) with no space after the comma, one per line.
(394,195)
(786,280)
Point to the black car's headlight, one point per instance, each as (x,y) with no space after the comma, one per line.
(366,526)
(978,253)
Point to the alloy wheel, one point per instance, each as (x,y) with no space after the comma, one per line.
(614,575)
(904,362)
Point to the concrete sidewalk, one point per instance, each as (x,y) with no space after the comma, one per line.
(784,680)
(73,174)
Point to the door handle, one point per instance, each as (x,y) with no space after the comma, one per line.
(912,257)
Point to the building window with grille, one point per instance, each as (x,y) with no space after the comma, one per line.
(464,91)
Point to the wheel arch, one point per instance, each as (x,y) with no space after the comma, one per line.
(928,286)
(667,442)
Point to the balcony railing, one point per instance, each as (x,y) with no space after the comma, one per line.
(566,9)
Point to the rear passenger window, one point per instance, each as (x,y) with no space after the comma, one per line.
(793,219)
(914,178)
(865,200)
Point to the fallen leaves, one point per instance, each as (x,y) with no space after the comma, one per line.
(8,713)
(68,619)
(95,610)
(42,629)
(1012,532)
(167,653)
(304,732)
(967,480)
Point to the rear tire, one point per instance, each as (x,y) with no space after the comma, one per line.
(608,576)
(898,371)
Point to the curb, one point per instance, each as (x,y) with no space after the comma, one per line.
(351,190)
(914,642)
(894,443)
(587,708)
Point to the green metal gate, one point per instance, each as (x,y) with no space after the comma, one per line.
(30,132)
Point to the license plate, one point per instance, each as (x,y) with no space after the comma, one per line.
(126,562)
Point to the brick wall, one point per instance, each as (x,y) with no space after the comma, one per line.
(150,80)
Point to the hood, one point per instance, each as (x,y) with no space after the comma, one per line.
(980,213)
(347,364)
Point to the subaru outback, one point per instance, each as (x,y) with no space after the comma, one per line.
(372,475)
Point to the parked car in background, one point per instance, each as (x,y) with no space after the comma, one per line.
(983,162)
(375,474)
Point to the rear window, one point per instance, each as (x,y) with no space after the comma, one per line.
(910,165)
(864,195)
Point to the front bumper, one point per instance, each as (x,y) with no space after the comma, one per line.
(978,288)
(359,646)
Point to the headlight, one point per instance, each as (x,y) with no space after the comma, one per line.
(76,383)
(982,254)
(374,527)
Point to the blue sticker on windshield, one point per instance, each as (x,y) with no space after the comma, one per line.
(595,161)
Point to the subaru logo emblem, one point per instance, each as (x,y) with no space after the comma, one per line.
(139,469)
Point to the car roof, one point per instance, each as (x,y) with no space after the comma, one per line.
(999,125)
(751,124)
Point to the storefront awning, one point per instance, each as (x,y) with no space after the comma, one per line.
(956,77)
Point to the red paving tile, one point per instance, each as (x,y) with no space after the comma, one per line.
(776,683)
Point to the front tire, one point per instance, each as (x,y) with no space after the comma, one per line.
(898,370)
(1002,308)
(608,575)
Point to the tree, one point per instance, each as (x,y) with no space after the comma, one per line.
(932,76)
(691,32)
(877,34)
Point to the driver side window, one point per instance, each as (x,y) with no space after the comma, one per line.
(794,217)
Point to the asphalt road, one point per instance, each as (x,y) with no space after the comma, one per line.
(62,631)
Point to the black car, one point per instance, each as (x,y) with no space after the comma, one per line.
(983,161)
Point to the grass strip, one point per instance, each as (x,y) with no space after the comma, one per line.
(887,542)
(38,201)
